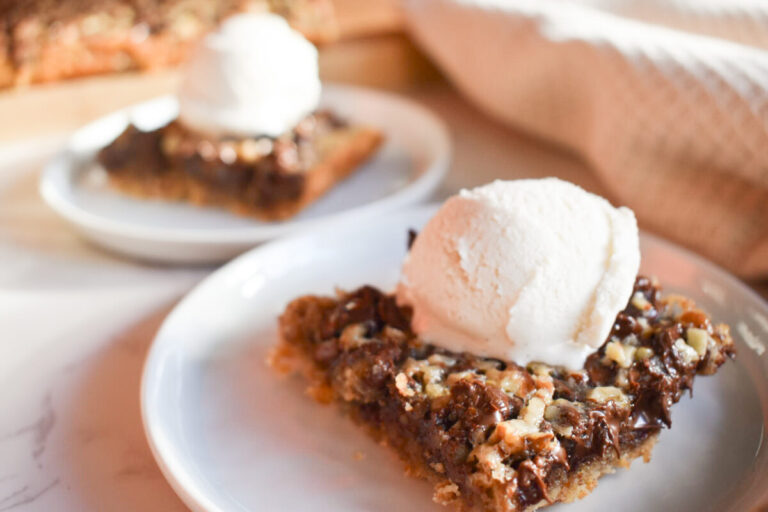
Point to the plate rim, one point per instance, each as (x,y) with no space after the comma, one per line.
(415,191)
(194,498)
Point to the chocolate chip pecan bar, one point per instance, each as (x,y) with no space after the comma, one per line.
(269,178)
(490,434)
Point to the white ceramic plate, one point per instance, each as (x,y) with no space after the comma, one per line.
(407,169)
(230,435)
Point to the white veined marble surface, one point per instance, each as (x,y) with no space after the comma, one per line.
(76,323)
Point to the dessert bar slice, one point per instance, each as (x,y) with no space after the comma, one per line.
(492,435)
(269,178)
(47,40)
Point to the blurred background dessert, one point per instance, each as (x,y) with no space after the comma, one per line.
(76,61)
(250,135)
(45,41)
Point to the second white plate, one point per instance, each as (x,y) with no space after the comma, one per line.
(406,170)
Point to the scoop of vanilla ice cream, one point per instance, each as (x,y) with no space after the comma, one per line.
(527,270)
(254,76)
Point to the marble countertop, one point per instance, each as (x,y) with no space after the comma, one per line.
(77,323)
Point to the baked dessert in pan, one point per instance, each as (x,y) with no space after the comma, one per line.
(48,40)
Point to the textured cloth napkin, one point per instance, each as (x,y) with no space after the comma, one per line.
(666,100)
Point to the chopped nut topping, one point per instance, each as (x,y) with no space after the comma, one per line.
(489,458)
(446,492)
(431,375)
(643,353)
(640,302)
(622,378)
(511,382)
(435,390)
(533,413)
(540,369)
(608,393)
(621,354)
(488,365)
(393,333)
(401,383)
(513,433)
(687,352)
(698,339)
(440,359)
(554,410)
(457,376)
(353,336)
(438,466)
